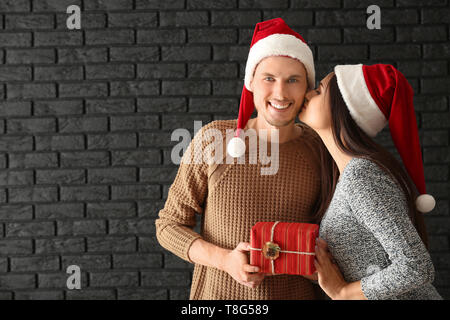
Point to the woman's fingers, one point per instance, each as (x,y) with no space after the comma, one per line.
(329,257)
(320,254)
(323,256)
(322,244)
(317,265)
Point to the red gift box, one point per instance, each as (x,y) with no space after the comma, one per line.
(284,247)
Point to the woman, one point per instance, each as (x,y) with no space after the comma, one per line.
(373,239)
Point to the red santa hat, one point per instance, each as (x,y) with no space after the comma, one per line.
(376,95)
(270,38)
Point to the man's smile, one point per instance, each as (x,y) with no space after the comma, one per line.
(280,107)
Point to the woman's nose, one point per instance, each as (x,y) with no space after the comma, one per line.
(310,94)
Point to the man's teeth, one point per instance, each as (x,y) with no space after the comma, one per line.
(276,106)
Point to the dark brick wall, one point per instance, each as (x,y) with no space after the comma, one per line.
(86,118)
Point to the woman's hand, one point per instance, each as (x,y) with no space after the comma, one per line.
(312,277)
(330,277)
(237,266)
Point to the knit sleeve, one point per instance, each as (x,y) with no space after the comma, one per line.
(186,198)
(379,205)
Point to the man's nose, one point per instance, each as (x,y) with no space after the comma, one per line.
(280,91)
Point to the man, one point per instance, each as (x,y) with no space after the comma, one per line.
(232,197)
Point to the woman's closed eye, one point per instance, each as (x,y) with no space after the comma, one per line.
(318,88)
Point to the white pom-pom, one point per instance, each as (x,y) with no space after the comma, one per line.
(236,147)
(425,203)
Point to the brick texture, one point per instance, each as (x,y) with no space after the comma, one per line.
(86,118)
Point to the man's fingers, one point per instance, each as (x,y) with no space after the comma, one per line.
(243,247)
(250,268)
(244,283)
(251,284)
(251,277)
(256,277)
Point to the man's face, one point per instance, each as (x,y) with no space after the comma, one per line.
(279,87)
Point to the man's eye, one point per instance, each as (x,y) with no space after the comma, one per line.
(293,80)
(268,78)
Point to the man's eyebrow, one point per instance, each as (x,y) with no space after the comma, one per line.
(291,76)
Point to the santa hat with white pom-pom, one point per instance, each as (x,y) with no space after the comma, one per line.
(376,95)
(270,38)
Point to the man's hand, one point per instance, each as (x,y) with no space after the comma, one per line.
(235,263)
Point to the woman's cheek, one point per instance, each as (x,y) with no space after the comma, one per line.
(316,117)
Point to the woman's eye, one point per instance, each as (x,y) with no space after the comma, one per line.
(317,91)
(293,80)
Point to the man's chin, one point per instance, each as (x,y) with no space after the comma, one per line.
(280,124)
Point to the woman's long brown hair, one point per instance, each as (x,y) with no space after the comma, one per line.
(356,143)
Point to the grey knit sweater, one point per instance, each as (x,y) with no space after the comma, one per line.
(372,238)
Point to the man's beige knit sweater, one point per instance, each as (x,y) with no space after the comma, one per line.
(231,198)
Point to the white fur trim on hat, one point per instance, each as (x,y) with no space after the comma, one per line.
(280,45)
(425,203)
(363,109)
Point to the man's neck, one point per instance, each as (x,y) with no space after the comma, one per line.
(285,133)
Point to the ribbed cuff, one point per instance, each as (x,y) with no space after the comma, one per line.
(178,239)
(188,247)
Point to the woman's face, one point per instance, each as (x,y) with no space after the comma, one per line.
(316,111)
